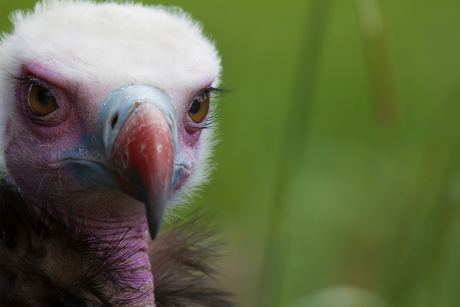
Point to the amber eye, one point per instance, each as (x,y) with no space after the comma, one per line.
(41,101)
(199,108)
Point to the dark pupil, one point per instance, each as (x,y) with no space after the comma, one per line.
(44,96)
(195,107)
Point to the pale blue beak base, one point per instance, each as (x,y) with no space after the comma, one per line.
(89,162)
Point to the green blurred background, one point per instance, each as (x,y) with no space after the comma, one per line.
(338,179)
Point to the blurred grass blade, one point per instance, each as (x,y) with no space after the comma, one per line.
(296,132)
(431,219)
(380,68)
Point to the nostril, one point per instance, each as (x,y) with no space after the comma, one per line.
(114,121)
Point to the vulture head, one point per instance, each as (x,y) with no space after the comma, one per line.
(107,116)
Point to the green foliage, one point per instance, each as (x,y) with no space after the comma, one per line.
(373,199)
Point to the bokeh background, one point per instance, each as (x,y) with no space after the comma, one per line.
(338,177)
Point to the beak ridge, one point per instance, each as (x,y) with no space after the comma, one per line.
(142,146)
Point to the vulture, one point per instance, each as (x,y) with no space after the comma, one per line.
(106,126)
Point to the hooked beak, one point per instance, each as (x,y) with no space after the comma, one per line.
(140,138)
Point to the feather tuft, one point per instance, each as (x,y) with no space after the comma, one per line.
(182,260)
(46,260)
(49,261)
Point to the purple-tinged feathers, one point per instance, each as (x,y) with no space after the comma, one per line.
(46,260)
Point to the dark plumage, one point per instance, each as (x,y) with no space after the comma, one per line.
(183,263)
(44,262)
(102,130)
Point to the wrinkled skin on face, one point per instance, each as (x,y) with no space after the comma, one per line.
(123,138)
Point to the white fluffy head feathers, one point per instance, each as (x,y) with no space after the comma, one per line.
(104,46)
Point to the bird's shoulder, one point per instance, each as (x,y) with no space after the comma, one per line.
(47,261)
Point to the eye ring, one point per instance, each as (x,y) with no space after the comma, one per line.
(199,108)
(42,101)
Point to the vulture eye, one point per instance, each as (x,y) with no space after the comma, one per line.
(41,101)
(199,108)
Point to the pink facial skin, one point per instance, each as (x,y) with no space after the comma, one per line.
(189,133)
(33,146)
(33,143)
